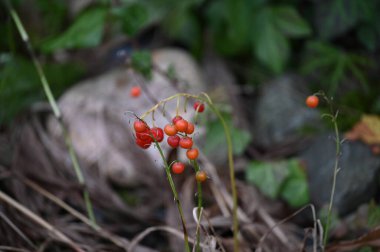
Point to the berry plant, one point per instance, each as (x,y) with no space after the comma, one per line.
(179,132)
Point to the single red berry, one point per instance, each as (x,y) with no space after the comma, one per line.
(178,167)
(192,154)
(176,118)
(139,125)
(170,130)
(200,107)
(201,176)
(181,125)
(190,128)
(145,135)
(173,141)
(143,144)
(186,142)
(312,101)
(135,91)
(157,133)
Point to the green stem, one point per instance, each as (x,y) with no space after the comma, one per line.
(232,175)
(54,106)
(336,170)
(200,203)
(175,194)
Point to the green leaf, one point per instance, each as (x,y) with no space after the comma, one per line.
(268,176)
(86,31)
(271,48)
(290,22)
(295,188)
(216,141)
(134,17)
(296,192)
(142,62)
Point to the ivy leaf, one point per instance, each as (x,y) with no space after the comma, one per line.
(86,31)
(271,48)
(215,139)
(288,21)
(267,176)
(134,17)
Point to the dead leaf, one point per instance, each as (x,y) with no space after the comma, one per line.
(367,130)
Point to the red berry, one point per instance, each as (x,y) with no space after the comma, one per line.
(181,125)
(145,135)
(201,176)
(173,141)
(178,167)
(312,101)
(200,107)
(192,154)
(186,142)
(190,128)
(139,125)
(170,130)
(135,91)
(143,144)
(157,133)
(176,118)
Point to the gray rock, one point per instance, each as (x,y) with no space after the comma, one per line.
(280,114)
(95,113)
(356,181)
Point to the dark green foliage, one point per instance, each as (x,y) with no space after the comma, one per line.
(141,61)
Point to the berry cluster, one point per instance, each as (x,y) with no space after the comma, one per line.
(178,132)
(145,135)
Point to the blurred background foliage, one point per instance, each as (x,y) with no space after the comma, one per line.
(334,43)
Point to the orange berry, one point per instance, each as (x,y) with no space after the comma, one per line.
(186,142)
(201,176)
(192,154)
(178,167)
(135,91)
(312,101)
(170,130)
(190,128)
(181,125)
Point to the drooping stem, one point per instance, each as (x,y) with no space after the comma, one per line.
(336,170)
(232,175)
(175,194)
(200,203)
(55,108)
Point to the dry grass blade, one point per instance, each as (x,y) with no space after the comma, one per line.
(149,230)
(7,248)
(121,242)
(262,239)
(17,230)
(55,232)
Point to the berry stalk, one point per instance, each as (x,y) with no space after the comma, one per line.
(175,194)
(200,203)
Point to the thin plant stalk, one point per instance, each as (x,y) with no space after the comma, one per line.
(205,98)
(55,108)
(199,208)
(333,116)
(336,170)
(175,194)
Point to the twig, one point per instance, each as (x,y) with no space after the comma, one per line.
(55,232)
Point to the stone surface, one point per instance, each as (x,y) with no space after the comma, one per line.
(279,113)
(95,112)
(357,179)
